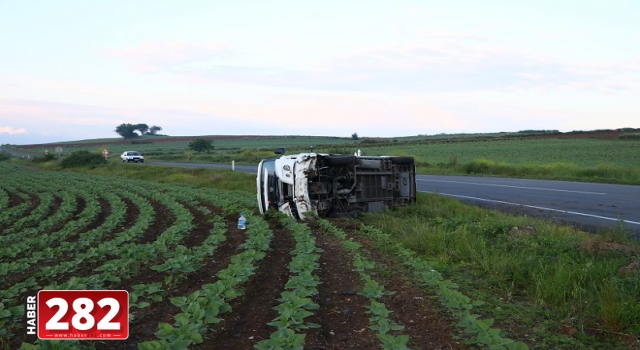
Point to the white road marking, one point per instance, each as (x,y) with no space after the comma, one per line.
(527,188)
(537,207)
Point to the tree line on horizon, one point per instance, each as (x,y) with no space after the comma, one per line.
(129,131)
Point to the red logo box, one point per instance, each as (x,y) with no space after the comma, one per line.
(83,314)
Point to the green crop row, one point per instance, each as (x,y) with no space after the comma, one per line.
(479,330)
(203,307)
(12,214)
(114,250)
(296,302)
(181,260)
(4,199)
(380,320)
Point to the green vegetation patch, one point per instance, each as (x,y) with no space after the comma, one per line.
(81,159)
(547,279)
(630,136)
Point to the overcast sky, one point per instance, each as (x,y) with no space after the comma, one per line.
(73,70)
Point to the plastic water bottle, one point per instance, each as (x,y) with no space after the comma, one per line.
(242,222)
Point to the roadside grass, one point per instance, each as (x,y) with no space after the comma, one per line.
(601,172)
(246,156)
(566,286)
(583,152)
(600,169)
(219,178)
(580,159)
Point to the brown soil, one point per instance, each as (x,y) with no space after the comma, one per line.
(130,216)
(80,206)
(85,269)
(102,216)
(247,322)
(147,319)
(632,269)
(34,201)
(202,228)
(424,319)
(342,316)
(598,246)
(52,209)
(164,218)
(14,200)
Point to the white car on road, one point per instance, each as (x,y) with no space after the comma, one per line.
(132,156)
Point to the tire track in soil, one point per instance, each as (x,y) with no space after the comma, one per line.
(88,268)
(101,218)
(14,200)
(421,315)
(201,232)
(131,216)
(247,322)
(342,316)
(163,219)
(80,206)
(33,201)
(147,319)
(16,278)
(53,208)
(12,279)
(84,270)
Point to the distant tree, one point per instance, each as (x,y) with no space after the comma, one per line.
(128,131)
(538,132)
(201,145)
(354,136)
(143,128)
(153,130)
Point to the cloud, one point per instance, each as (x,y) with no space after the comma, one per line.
(153,57)
(11,131)
(447,66)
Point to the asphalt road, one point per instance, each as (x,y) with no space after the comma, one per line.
(586,205)
(13,154)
